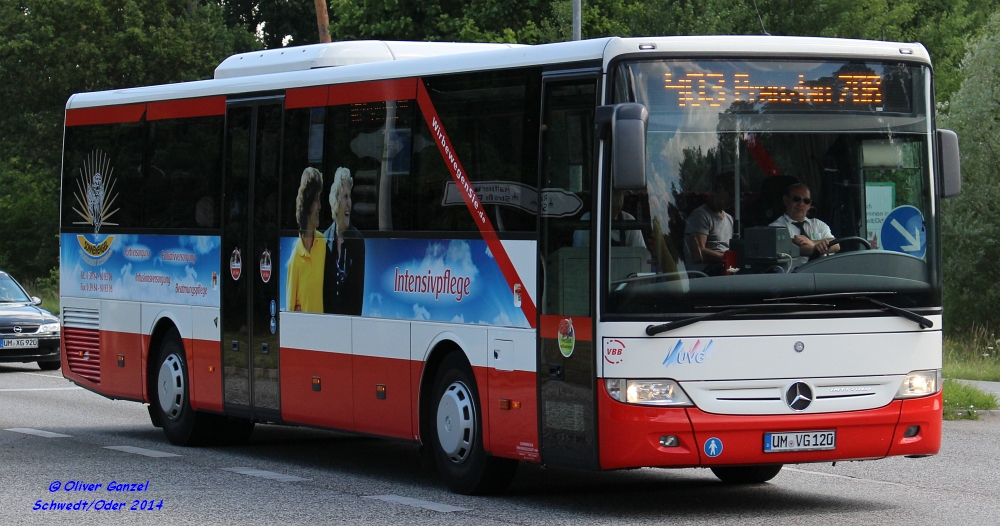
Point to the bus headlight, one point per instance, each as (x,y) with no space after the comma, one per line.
(647,392)
(49,328)
(920,383)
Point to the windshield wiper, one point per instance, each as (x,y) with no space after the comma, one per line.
(729,312)
(653,330)
(923,322)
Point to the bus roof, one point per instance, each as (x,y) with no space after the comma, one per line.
(359,61)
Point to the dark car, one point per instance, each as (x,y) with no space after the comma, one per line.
(28,333)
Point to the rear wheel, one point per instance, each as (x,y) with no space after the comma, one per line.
(49,366)
(747,474)
(457,434)
(170,400)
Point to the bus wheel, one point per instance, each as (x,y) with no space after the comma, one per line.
(182,424)
(457,434)
(747,474)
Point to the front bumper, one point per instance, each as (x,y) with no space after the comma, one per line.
(47,351)
(630,434)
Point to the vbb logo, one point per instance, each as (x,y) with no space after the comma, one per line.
(614,351)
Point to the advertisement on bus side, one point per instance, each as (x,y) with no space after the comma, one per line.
(151,268)
(451,280)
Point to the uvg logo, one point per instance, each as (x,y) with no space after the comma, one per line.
(681,355)
(614,351)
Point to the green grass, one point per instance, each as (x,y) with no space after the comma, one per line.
(972,355)
(962,400)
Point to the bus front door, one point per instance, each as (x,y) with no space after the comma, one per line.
(250,354)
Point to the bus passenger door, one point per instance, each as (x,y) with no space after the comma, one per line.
(250,253)
(566,360)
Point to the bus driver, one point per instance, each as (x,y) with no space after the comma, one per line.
(811,235)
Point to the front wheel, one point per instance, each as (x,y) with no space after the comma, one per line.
(747,474)
(457,434)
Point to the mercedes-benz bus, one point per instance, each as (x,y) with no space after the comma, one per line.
(718,252)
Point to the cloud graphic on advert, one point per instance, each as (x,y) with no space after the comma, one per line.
(420,313)
(502,319)
(457,256)
(123,240)
(200,244)
(459,318)
(190,273)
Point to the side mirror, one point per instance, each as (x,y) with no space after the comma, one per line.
(628,142)
(628,122)
(35,300)
(950,163)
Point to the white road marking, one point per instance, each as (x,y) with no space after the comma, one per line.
(417,503)
(38,432)
(47,375)
(859,479)
(40,389)
(266,474)
(142,451)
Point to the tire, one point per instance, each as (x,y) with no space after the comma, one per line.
(49,366)
(170,397)
(747,474)
(456,434)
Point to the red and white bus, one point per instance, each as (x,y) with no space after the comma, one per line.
(716,252)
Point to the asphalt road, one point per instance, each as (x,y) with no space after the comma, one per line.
(305,476)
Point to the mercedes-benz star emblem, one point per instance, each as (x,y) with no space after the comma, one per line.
(798,396)
(17,328)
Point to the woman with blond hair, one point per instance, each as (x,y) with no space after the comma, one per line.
(343,288)
(307,263)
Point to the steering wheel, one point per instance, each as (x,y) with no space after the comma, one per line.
(859,240)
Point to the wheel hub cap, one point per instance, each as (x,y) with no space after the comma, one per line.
(170,387)
(456,422)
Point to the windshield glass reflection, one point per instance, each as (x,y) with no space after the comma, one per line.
(770,179)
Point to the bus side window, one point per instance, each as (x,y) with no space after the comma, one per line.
(115,151)
(181,172)
(491,119)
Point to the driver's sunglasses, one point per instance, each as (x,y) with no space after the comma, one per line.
(805,200)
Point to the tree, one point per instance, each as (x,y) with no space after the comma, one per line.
(50,50)
(971,221)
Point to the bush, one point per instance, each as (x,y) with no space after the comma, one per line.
(971,222)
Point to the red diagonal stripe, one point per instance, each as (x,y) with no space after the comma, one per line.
(479,216)
(761,156)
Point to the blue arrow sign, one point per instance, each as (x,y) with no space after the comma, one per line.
(903,231)
(713,447)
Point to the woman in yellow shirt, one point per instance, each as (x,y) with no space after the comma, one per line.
(305,266)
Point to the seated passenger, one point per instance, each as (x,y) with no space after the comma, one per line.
(633,238)
(709,228)
(811,235)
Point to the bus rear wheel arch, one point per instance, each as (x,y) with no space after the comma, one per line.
(455,433)
(170,403)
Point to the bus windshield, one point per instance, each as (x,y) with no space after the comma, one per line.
(774,179)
